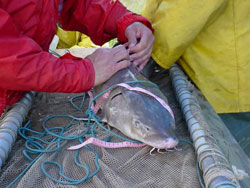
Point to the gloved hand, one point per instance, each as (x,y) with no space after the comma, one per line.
(107,61)
(140,43)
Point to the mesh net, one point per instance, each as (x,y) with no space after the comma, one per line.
(127,167)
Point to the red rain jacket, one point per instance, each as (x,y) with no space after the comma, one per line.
(26,30)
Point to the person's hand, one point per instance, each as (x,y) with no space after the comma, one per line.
(140,43)
(107,61)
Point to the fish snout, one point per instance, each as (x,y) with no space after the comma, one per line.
(170,143)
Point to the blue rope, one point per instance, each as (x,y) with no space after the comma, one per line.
(199,175)
(79,108)
(38,145)
(115,86)
(35,144)
(197,164)
(23,172)
(226,184)
(186,141)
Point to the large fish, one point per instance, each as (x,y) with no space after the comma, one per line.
(137,115)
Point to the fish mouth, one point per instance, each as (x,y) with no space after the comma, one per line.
(168,143)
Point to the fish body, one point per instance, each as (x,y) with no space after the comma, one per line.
(137,115)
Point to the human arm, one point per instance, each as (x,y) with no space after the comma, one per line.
(24,66)
(100,20)
(104,20)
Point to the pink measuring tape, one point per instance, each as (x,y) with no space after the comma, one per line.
(99,102)
(104,144)
(125,144)
(162,102)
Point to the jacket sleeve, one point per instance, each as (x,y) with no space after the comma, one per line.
(100,20)
(24,66)
(177,23)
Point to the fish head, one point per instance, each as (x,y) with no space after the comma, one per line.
(140,117)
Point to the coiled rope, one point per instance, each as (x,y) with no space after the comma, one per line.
(37,145)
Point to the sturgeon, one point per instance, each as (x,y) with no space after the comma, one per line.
(137,115)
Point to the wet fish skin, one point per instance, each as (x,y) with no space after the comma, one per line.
(137,115)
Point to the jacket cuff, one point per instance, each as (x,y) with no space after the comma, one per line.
(126,20)
(89,81)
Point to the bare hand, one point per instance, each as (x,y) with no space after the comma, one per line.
(107,61)
(140,43)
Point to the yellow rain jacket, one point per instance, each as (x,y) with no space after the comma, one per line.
(211,39)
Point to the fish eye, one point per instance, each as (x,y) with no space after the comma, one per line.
(147,128)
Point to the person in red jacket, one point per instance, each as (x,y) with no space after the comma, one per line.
(28,26)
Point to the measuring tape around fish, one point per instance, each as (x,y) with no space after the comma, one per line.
(124,144)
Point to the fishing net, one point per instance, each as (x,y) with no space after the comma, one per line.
(126,167)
